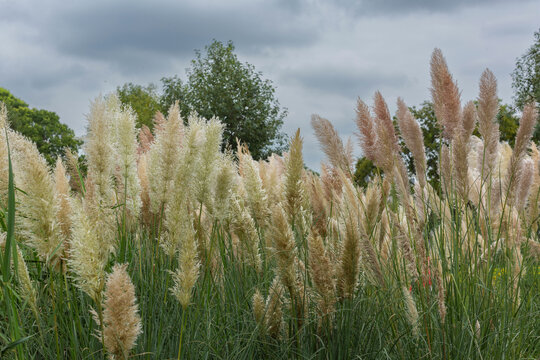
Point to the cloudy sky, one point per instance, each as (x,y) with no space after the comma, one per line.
(320,55)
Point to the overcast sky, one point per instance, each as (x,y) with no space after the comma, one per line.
(320,55)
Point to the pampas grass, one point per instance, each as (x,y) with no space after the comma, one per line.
(236,258)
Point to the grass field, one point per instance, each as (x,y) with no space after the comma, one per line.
(226,257)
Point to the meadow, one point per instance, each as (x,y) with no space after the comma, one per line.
(169,246)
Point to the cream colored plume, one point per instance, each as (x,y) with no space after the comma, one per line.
(37,206)
(129,188)
(163,159)
(121,320)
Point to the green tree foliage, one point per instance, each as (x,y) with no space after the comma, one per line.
(174,90)
(218,85)
(526,75)
(41,126)
(144,101)
(364,172)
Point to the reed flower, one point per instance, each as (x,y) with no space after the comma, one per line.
(411,313)
(205,171)
(274,309)
(72,168)
(294,169)
(121,320)
(523,137)
(414,139)
(4,125)
(187,273)
(488,107)
(99,149)
(226,181)
(37,206)
(88,252)
(181,201)
(63,199)
(257,198)
(126,162)
(243,226)
(331,144)
(163,158)
(323,279)
(445,94)
(146,139)
(142,173)
(259,309)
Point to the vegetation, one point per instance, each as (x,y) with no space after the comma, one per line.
(40,126)
(526,75)
(218,85)
(176,249)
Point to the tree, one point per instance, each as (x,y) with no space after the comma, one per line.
(220,85)
(41,126)
(144,101)
(174,90)
(526,75)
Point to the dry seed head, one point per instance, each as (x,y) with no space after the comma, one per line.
(126,150)
(294,166)
(4,173)
(259,308)
(72,164)
(226,180)
(3,116)
(187,273)
(271,172)
(350,257)
(445,94)
(205,171)
(411,313)
(121,320)
(63,198)
(243,226)
(367,132)
(37,206)
(525,179)
(163,159)
(414,139)
(274,312)
(323,280)
(331,144)
(88,256)
(523,137)
(142,173)
(488,106)
(256,195)
(386,135)
(99,149)
(145,140)
(284,246)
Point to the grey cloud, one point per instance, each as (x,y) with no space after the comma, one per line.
(346,82)
(120,32)
(400,7)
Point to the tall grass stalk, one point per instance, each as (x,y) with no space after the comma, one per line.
(270,260)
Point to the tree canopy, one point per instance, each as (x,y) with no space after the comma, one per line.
(526,75)
(144,101)
(41,126)
(220,85)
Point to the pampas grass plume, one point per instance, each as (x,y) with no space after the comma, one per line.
(121,320)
